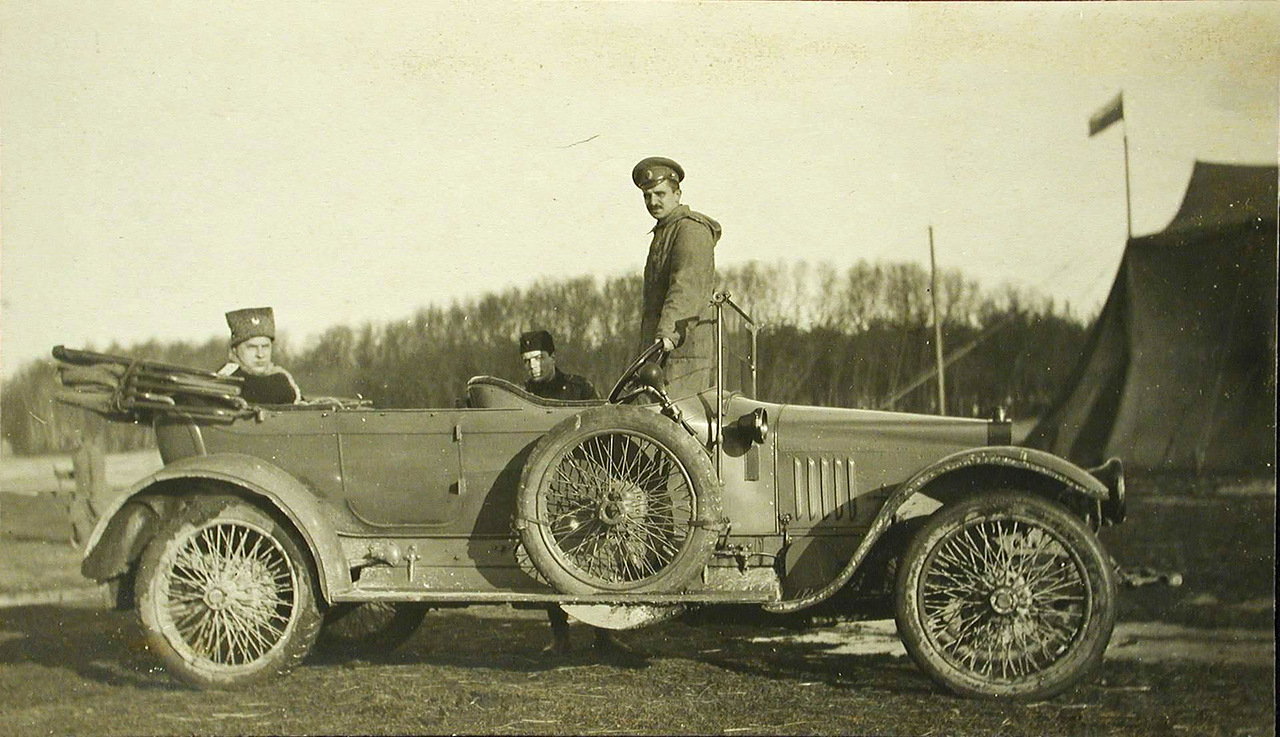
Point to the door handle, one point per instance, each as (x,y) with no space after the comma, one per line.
(462,471)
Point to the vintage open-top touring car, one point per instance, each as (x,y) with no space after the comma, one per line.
(268,526)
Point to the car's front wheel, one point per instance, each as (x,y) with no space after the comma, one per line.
(1005,595)
(226,596)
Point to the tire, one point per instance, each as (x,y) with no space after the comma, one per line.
(618,499)
(373,628)
(226,595)
(1005,595)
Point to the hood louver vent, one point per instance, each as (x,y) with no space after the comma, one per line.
(824,488)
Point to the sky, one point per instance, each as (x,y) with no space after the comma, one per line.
(161,164)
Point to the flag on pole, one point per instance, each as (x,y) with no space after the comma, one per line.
(1102,119)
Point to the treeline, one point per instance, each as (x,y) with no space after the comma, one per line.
(854,338)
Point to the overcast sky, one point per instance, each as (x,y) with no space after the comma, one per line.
(164,163)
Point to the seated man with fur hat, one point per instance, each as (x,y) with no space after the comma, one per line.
(253,335)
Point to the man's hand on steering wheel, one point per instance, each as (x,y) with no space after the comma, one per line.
(667,344)
(628,385)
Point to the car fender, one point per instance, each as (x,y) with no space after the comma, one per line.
(109,554)
(1062,472)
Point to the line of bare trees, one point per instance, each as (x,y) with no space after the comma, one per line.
(831,337)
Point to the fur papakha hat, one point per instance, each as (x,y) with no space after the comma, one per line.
(251,322)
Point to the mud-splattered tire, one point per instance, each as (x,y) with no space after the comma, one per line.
(618,499)
(1005,595)
(226,595)
(372,628)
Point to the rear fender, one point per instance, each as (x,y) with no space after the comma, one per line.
(130,521)
(966,472)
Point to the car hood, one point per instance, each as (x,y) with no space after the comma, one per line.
(818,429)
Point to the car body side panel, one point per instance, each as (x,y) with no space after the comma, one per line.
(446,472)
(303,443)
(495,445)
(748,473)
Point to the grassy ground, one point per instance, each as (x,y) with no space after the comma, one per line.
(84,671)
(36,553)
(1223,545)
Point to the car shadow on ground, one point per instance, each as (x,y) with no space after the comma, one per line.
(735,641)
(511,641)
(106,647)
(752,642)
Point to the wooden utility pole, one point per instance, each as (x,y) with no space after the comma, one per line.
(937,328)
(1128,202)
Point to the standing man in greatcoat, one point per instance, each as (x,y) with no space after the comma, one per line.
(679,277)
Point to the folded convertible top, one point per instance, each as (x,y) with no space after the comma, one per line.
(129,389)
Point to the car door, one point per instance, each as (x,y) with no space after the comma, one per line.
(402,468)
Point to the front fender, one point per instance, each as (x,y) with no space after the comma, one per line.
(114,540)
(1109,500)
(1057,469)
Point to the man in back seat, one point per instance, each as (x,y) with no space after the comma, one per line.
(253,336)
(543,377)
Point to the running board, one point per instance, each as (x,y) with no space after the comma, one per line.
(508,597)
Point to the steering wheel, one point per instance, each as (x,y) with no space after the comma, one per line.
(628,385)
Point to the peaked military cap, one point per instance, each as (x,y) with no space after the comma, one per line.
(537,340)
(655,169)
(251,322)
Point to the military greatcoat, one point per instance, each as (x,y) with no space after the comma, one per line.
(679,277)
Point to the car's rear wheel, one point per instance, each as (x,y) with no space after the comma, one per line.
(226,595)
(1005,595)
(369,628)
(618,499)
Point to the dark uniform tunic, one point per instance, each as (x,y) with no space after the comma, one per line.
(274,388)
(562,386)
(679,277)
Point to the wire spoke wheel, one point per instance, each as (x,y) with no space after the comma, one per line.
(618,507)
(1006,595)
(225,595)
(231,593)
(618,498)
(1004,599)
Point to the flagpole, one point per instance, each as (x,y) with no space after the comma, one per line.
(1128,204)
(1099,122)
